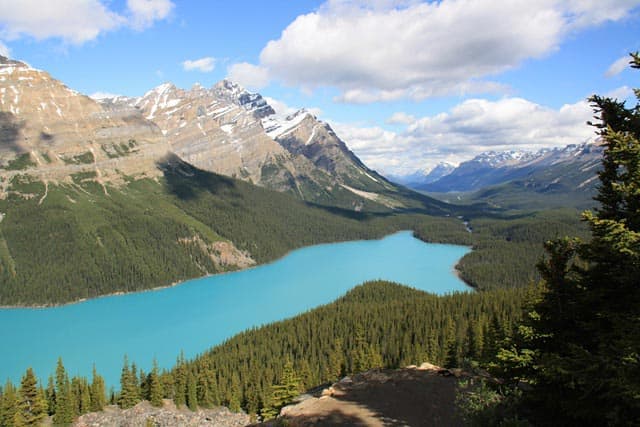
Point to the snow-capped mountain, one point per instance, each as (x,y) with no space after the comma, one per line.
(575,164)
(55,132)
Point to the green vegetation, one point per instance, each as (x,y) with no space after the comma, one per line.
(378,324)
(85,240)
(505,249)
(30,404)
(578,348)
(119,150)
(79,159)
(21,162)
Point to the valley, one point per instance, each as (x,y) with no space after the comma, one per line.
(320,222)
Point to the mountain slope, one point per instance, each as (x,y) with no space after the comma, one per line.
(230,131)
(53,131)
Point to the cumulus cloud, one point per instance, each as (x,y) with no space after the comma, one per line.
(468,129)
(391,49)
(205,65)
(75,21)
(622,93)
(401,118)
(248,75)
(618,66)
(145,12)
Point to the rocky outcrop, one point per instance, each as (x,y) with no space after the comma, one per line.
(223,254)
(143,414)
(412,396)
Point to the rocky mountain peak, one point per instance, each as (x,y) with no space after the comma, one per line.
(237,94)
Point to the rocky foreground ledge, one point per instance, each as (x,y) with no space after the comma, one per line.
(412,396)
(143,414)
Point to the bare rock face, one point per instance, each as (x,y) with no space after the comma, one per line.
(216,129)
(168,415)
(61,131)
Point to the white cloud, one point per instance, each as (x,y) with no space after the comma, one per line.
(4,50)
(621,93)
(145,12)
(388,50)
(248,75)
(75,21)
(401,118)
(206,64)
(468,129)
(618,66)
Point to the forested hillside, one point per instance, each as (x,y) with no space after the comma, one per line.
(62,242)
(378,324)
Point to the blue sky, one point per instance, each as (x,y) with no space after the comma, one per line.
(405,83)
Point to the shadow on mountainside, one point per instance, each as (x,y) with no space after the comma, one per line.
(187,182)
(9,133)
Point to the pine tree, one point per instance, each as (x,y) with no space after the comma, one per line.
(586,330)
(64,401)
(50,394)
(155,386)
(180,381)
(98,396)
(336,361)
(31,407)
(128,386)
(192,392)
(8,405)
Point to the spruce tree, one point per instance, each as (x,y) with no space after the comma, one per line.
(31,405)
(155,386)
(98,396)
(180,382)
(50,394)
(128,386)
(64,402)
(8,405)
(192,392)
(336,361)
(586,330)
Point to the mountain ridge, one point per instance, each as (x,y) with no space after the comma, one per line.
(572,168)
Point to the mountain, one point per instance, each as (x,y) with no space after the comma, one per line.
(570,168)
(54,131)
(423,177)
(230,131)
(126,194)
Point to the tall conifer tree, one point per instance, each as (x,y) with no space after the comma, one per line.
(32,407)
(586,330)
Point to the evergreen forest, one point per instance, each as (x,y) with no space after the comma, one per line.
(560,339)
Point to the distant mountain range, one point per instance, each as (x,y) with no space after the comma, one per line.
(560,177)
(424,177)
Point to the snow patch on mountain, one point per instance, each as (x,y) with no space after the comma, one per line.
(277,128)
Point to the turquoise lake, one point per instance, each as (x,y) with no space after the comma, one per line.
(200,313)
